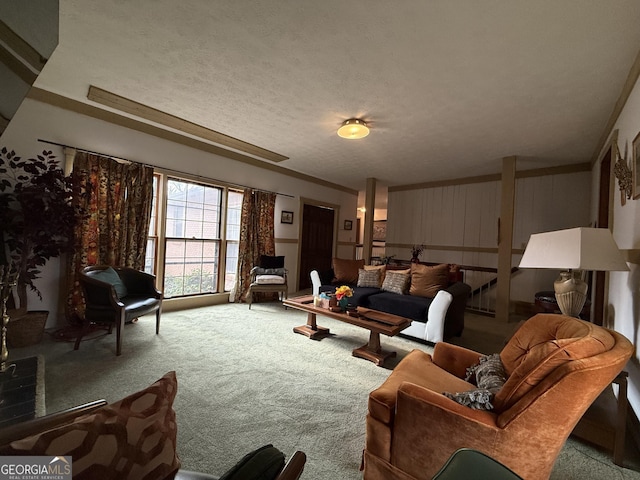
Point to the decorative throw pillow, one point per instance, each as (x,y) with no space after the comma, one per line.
(489,373)
(489,376)
(381,268)
(269,261)
(395,282)
(261,464)
(346,271)
(479,399)
(268,271)
(109,275)
(134,438)
(427,281)
(369,278)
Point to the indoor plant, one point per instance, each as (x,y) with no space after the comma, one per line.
(416,251)
(36,218)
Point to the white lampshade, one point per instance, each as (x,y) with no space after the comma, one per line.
(575,249)
(353,129)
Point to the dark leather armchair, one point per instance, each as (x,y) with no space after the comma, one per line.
(115,296)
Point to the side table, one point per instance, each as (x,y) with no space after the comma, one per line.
(604,422)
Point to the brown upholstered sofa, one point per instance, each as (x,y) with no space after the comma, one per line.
(555,368)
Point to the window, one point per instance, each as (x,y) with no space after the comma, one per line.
(187,242)
(192,238)
(234,212)
(152,240)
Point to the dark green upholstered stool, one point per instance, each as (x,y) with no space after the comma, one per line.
(469,464)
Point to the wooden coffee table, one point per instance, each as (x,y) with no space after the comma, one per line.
(374,321)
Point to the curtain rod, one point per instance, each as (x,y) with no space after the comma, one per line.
(166,169)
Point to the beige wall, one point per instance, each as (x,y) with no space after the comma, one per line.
(623,308)
(462,219)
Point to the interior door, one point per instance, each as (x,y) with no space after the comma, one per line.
(316,247)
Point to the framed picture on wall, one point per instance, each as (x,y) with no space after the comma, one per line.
(286,217)
(380,230)
(635,167)
(348,224)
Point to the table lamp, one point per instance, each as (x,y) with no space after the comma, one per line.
(570,250)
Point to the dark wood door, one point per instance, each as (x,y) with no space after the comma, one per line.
(598,278)
(316,247)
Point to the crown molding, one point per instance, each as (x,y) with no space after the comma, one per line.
(60,101)
(117,102)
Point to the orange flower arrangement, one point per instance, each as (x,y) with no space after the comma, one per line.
(343,291)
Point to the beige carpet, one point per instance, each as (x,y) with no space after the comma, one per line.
(245,379)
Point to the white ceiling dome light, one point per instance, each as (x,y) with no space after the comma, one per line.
(353,129)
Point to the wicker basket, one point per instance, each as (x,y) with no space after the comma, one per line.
(26,330)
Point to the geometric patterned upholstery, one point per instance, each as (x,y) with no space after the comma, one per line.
(134,438)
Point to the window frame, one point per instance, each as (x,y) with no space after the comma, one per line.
(161,230)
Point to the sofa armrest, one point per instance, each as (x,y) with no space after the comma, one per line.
(454,359)
(436,316)
(419,413)
(315,282)
(455,315)
(139,282)
(411,393)
(100,294)
(40,424)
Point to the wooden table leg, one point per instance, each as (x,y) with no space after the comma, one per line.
(311,329)
(372,351)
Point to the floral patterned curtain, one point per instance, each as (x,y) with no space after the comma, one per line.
(116,200)
(256,238)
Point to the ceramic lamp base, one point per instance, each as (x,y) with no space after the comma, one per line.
(571,293)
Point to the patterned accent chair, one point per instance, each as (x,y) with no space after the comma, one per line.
(555,367)
(115,296)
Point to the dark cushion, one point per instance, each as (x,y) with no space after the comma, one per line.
(262,464)
(408,306)
(359,297)
(361,294)
(110,276)
(269,261)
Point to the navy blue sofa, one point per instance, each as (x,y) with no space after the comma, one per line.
(409,306)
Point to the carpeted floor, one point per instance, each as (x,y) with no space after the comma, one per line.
(245,379)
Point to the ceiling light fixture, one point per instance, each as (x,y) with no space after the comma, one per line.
(353,128)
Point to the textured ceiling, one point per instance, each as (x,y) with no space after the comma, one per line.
(449,87)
